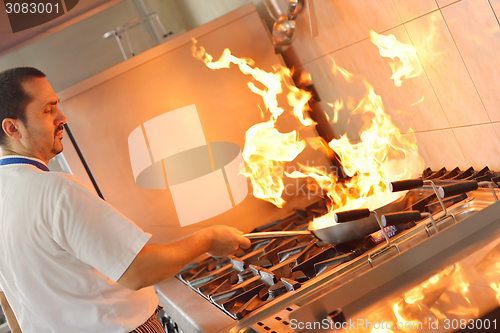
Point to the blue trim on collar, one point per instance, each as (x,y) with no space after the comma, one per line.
(23,160)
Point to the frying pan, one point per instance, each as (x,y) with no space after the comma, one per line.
(350,225)
(357,223)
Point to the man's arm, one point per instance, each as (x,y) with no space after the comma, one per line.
(156,263)
(7,311)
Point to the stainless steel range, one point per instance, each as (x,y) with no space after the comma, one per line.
(436,267)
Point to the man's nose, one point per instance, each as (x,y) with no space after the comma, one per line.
(61,118)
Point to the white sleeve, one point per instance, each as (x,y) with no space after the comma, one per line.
(95,232)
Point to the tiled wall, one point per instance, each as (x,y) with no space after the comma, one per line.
(458,44)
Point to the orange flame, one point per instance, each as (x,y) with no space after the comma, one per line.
(404,324)
(444,296)
(408,65)
(337,106)
(265,147)
(265,150)
(382,155)
(448,290)
(496,287)
(418,102)
(345,74)
(417,293)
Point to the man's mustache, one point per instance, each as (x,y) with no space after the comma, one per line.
(58,129)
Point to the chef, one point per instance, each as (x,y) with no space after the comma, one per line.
(70,262)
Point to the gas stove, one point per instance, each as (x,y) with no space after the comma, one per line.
(248,280)
(279,283)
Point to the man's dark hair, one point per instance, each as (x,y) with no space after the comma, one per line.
(13,98)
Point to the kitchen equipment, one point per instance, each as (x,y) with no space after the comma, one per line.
(275,13)
(123,29)
(283,33)
(313,24)
(336,233)
(295,7)
(358,223)
(348,226)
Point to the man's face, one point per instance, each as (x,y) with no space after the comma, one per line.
(43,127)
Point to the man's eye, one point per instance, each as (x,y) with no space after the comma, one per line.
(48,110)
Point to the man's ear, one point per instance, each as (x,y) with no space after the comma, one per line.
(11,128)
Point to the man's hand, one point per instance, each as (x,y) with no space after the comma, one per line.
(225,240)
(157,262)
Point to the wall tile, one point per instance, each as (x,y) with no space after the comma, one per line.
(410,9)
(339,22)
(364,61)
(442,149)
(332,88)
(442,3)
(495,4)
(379,15)
(328,87)
(476,32)
(421,149)
(423,152)
(483,138)
(426,114)
(401,103)
(496,127)
(446,71)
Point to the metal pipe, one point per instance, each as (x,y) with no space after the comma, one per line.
(82,159)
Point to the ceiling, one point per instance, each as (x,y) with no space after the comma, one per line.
(10,41)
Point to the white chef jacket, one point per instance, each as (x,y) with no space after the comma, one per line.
(62,249)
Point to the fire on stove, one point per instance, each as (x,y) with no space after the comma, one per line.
(250,279)
(379,155)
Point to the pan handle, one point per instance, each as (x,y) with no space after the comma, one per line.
(496,181)
(351,215)
(403,185)
(276,234)
(459,188)
(400,218)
